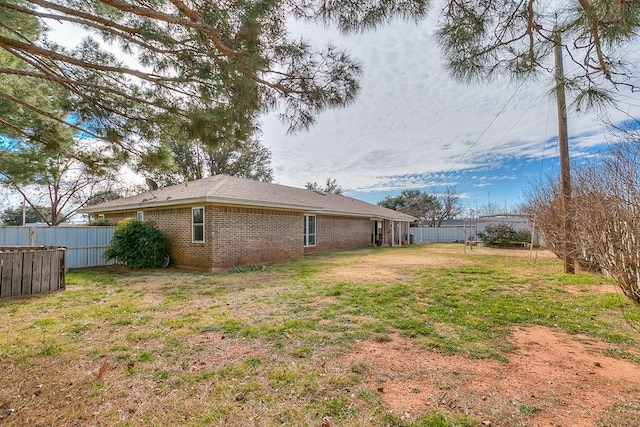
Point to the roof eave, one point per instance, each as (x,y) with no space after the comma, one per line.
(197,200)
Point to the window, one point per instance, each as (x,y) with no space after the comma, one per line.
(140,216)
(197,221)
(100,216)
(309,230)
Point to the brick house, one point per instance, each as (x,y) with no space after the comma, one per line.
(223,221)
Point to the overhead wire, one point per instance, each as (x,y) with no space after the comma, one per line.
(495,117)
(531,104)
(544,149)
(463,155)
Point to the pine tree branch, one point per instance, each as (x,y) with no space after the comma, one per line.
(592,17)
(69,82)
(204,29)
(51,116)
(14,127)
(12,45)
(85,19)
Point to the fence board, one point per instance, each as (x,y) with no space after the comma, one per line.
(14,236)
(27,272)
(54,271)
(5,278)
(16,280)
(46,273)
(36,278)
(439,234)
(61,257)
(85,245)
(460,233)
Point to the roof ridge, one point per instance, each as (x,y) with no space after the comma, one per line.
(228,189)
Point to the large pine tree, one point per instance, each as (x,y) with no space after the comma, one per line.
(205,68)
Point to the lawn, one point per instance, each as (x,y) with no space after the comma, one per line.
(424,335)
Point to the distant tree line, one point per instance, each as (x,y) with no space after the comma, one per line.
(431,209)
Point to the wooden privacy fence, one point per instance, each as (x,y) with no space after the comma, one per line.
(26,270)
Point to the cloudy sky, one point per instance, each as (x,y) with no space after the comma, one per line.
(413,126)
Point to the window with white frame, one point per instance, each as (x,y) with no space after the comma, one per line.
(140,216)
(309,230)
(100,216)
(197,222)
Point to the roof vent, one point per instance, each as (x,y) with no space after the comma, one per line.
(319,191)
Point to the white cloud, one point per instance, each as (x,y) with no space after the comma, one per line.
(413,126)
(413,119)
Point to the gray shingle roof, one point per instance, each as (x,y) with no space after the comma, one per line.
(230,190)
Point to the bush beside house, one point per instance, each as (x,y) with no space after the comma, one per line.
(138,244)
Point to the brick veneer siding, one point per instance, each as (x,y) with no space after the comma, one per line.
(253,236)
(175,224)
(339,232)
(233,235)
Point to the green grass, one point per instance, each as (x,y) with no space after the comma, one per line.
(256,346)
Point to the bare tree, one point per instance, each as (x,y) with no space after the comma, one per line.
(607,206)
(544,207)
(606,202)
(450,203)
(57,192)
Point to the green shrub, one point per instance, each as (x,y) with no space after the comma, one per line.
(138,244)
(100,222)
(503,236)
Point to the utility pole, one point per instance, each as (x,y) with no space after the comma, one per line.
(563,146)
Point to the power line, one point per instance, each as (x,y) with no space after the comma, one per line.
(544,141)
(535,101)
(487,127)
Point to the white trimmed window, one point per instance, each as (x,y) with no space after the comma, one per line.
(197,225)
(140,216)
(100,216)
(309,230)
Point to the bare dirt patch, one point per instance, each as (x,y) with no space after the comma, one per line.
(552,379)
(399,264)
(602,288)
(390,266)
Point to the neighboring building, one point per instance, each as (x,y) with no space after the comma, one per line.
(223,221)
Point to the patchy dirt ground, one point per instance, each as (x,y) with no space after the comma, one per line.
(397,265)
(552,379)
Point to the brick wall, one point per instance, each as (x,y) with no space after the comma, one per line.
(242,236)
(338,232)
(233,235)
(175,224)
(253,236)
